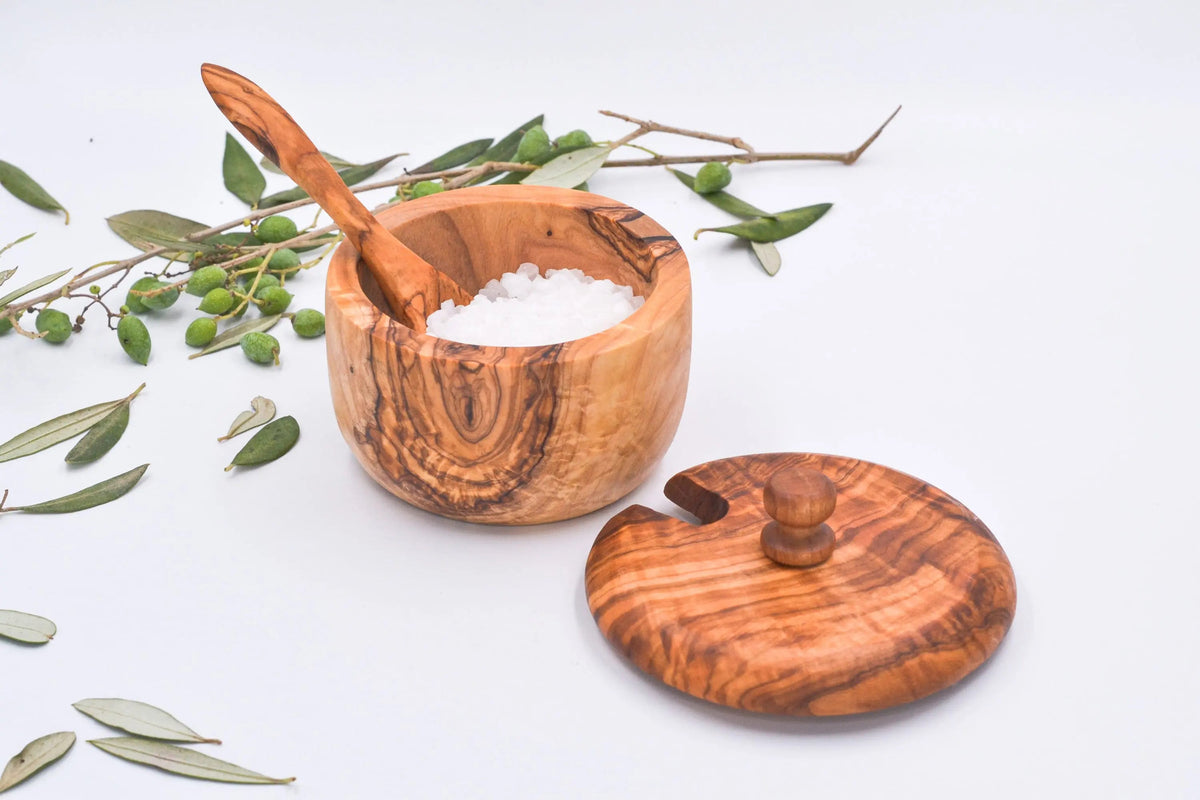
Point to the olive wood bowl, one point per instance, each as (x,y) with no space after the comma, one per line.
(513,435)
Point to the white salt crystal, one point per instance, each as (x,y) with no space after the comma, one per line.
(524,308)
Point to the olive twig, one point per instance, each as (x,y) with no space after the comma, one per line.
(649,126)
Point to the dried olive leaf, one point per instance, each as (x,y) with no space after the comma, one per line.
(723,200)
(350,175)
(101,438)
(268,444)
(146,229)
(234,335)
(5,274)
(95,495)
(31,286)
(241,175)
(767,255)
(180,760)
(37,754)
(455,157)
(27,190)
(772,229)
(28,628)
(261,412)
(569,169)
(11,244)
(59,429)
(140,719)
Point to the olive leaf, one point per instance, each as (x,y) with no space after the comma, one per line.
(98,494)
(39,753)
(233,336)
(350,175)
(140,719)
(241,176)
(261,412)
(238,239)
(268,444)
(773,228)
(722,199)
(27,190)
(5,274)
(101,438)
(455,157)
(27,628)
(180,760)
(146,229)
(31,286)
(767,255)
(336,161)
(570,169)
(11,244)
(59,429)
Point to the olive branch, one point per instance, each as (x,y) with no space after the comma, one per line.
(234,259)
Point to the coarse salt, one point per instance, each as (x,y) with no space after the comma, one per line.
(525,308)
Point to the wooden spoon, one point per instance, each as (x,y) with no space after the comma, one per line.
(413,287)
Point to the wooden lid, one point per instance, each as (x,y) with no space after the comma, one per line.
(916,594)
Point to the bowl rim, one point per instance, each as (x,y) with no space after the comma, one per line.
(671,296)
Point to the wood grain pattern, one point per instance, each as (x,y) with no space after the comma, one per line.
(917,594)
(513,435)
(410,283)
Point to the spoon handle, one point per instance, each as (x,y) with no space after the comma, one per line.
(413,287)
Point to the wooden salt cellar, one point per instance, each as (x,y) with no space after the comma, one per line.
(513,435)
(766,606)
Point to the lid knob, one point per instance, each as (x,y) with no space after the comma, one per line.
(799,501)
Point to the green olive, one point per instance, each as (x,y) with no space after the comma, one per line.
(573,140)
(218,301)
(134,338)
(535,144)
(425,188)
(275,229)
(55,324)
(308,323)
(283,260)
(160,301)
(712,177)
(140,285)
(205,279)
(275,300)
(200,332)
(261,348)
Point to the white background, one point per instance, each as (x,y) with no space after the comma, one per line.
(1001,302)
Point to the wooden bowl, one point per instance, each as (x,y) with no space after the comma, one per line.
(513,435)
